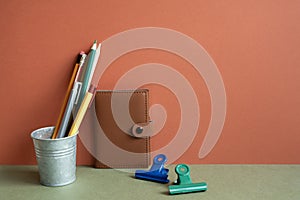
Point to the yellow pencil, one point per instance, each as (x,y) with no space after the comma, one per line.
(62,110)
(82,110)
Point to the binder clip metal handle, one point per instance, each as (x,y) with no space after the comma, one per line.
(157,172)
(184,182)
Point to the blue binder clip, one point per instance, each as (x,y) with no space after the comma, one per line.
(157,172)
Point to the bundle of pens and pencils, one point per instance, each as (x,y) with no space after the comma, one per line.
(79,94)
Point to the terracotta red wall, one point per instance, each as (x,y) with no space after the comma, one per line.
(255,45)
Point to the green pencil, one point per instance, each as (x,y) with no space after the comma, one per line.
(87,75)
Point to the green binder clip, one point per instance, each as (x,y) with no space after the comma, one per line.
(184,182)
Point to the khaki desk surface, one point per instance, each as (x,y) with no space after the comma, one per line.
(224,182)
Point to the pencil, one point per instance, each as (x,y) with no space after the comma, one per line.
(82,110)
(87,74)
(95,62)
(62,110)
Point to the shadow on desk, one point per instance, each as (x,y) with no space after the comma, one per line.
(16,175)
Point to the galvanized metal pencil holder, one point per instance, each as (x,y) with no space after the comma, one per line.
(56,158)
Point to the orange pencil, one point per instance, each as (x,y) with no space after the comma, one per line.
(54,135)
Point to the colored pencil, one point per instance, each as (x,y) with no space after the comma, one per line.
(70,86)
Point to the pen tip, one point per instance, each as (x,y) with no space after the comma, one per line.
(95,41)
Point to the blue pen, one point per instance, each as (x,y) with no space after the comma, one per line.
(66,117)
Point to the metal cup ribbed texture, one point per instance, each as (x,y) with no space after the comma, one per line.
(56,158)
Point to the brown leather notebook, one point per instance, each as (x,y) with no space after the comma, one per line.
(124,119)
